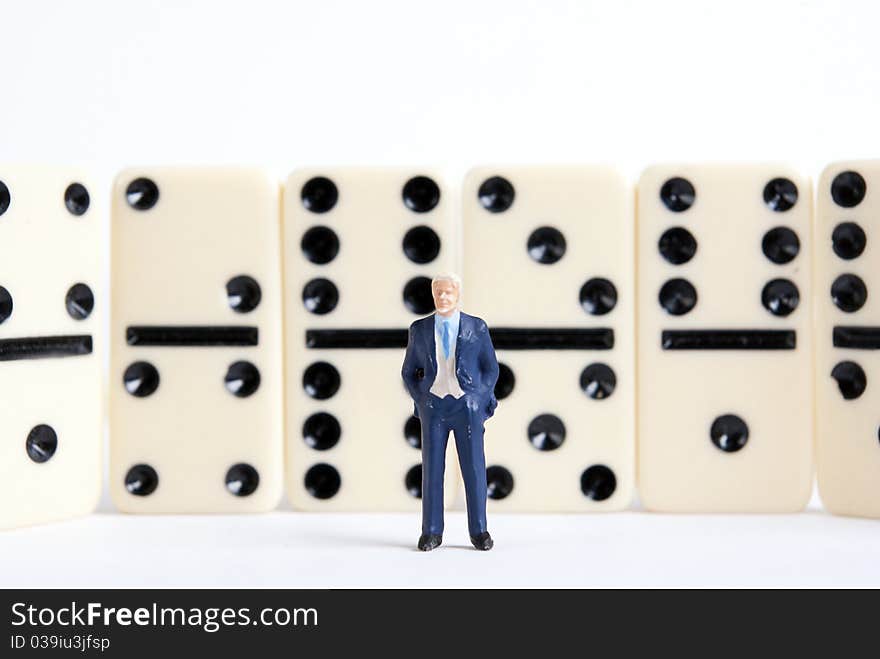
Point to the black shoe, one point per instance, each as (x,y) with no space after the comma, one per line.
(483,542)
(429,541)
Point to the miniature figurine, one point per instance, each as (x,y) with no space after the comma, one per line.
(450,372)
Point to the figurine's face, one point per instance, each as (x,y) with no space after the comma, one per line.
(445,297)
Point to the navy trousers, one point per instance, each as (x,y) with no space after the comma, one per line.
(439,416)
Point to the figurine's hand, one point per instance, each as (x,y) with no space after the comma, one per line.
(479,405)
(472,402)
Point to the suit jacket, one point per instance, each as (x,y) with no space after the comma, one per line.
(475,364)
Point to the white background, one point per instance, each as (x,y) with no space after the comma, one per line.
(452,83)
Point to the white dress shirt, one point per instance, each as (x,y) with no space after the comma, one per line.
(446,382)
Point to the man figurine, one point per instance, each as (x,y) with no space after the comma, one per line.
(450,371)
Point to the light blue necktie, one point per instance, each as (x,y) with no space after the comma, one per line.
(447,338)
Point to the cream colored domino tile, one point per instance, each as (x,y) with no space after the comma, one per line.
(358,256)
(563,436)
(51,222)
(847,338)
(201,267)
(724,430)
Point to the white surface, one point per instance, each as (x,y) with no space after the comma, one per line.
(388,82)
(292,84)
(377,550)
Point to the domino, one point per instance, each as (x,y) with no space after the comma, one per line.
(548,263)
(360,248)
(196,348)
(724,348)
(51,310)
(848,336)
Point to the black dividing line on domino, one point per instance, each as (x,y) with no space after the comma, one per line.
(191,335)
(550,338)
(357,338)
(45,347)
(503,338)
(728,340)
(859,338)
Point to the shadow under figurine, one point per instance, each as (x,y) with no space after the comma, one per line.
(450,372)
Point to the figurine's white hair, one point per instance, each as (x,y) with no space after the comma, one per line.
(447,277)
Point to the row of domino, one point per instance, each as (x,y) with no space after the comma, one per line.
(718,275)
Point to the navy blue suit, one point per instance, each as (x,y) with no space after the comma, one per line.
(476,369)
